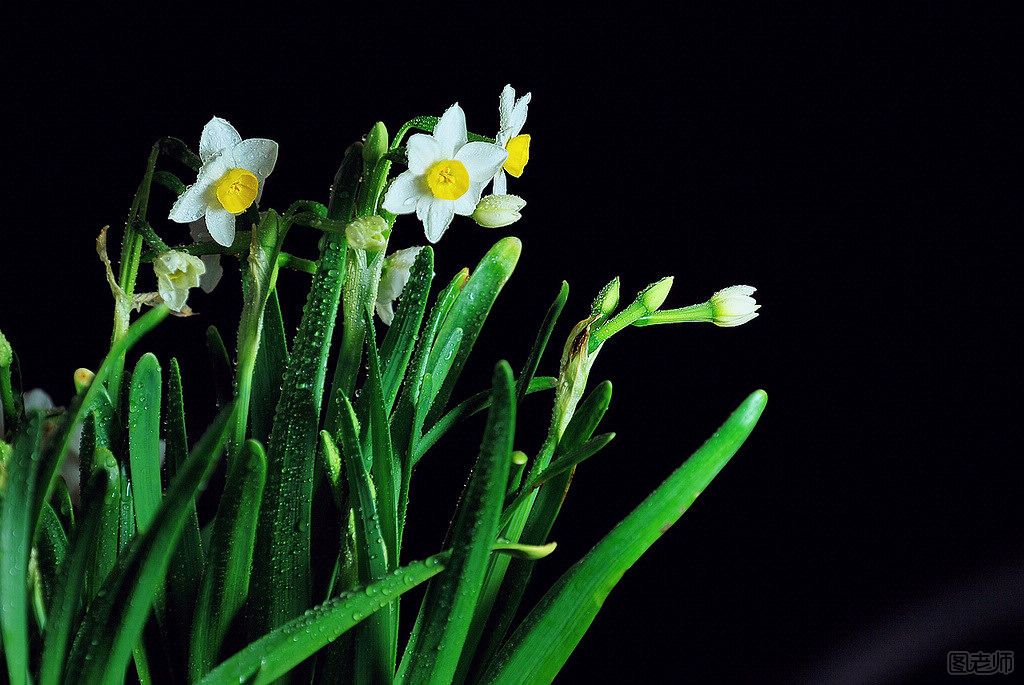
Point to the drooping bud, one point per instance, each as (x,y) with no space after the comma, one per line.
(367,233)
(496,211)
(177,272)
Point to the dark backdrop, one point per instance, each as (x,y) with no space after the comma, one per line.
(857,167)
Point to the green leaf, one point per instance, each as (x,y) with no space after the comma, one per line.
(64,609)
(373,660)
(220,363)
(282,578)
(186,570)
(540,344)
(397,348)
(540,646)
(225,584)
(450,600)
(284,648)
(103,644)
(52,547)
(271,361)
(144,439)
(105,551)
(16,529)
(471,309)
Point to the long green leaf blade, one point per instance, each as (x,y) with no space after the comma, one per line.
(540,646)
(284,648)
(144,439)
(541,343)
(271,361)
(470,310)
(115,621)
(451,599)
(15,544)
(397,348)
(225,584)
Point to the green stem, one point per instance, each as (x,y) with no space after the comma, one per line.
(700,313)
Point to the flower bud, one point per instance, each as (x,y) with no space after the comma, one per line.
(655,294)
(734,305)
(496,211)
(607,300)
(367,233)
(376,144)
(177,272)
(394,275)
(83,378)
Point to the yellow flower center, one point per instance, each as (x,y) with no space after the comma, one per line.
(448,179)
(518,155)
(237,190)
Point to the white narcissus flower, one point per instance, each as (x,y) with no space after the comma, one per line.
(511,119)
(496,211)
(176,273)
(734,305)
(229,182)
(446,174)
(214,270)
(394,276)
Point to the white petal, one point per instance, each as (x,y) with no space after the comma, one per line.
(450,131)
(482,160)
(218,136)
(506,101)
(209,280)
(386,312)
(500,183)
(438,217)
(37,399)
(199,232)
(192,204)
(221,224)
(403,193)
(422,151)
(466,205)
(258,155)
(517,119)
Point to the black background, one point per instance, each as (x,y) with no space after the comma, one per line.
(857,166)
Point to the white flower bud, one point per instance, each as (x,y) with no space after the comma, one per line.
(734,305)
(496,211)
(177,272)
(394,276)
(367,233)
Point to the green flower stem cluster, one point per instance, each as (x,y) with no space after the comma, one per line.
(116,573)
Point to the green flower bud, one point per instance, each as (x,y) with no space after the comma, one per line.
(83,378)
(607,300)
(176,273)
(376,144)
(496,211)
(367,233)
(655,294)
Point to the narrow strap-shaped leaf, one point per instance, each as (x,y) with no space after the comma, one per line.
(398,345)
(126,528)
(220,364)
(271,361)
(468,407)
(470,311)
(281,650)
(373,661)
(63,610)
(450,599)
(438,373)
(103,645)
(540,646)
(541,343)
(15,544)
(186,569)
(225,584)
(105,551)
(530,521)
(282,579)
(52,547)
(144,439)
